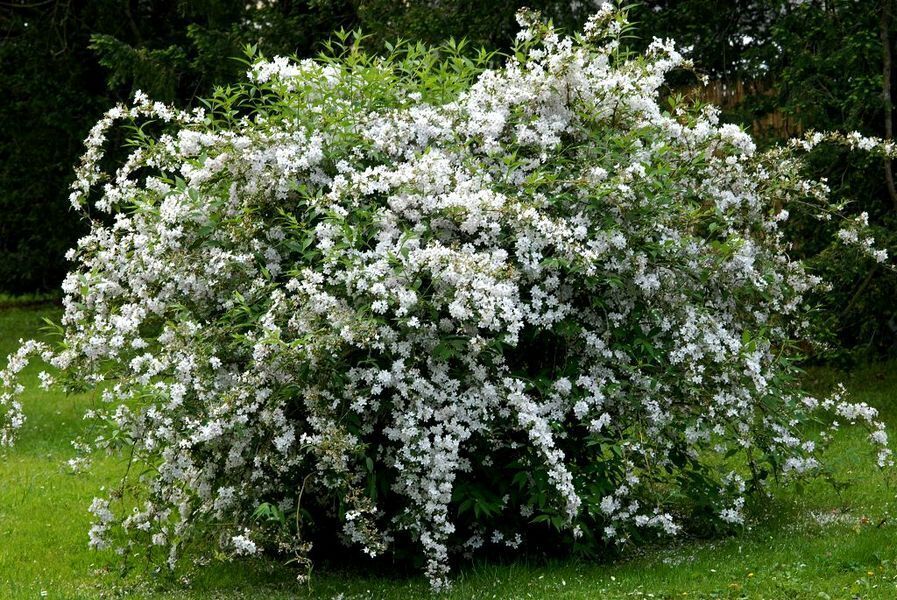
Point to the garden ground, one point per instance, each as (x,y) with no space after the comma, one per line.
(820,543)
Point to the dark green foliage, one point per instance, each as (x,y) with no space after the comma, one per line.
(720,34)
(64,62)
(821,67)
(491,24)
(49,100)
(829,77)
(181,50)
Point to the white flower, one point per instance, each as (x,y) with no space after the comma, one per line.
(243,545)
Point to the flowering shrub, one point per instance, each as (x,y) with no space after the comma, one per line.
(417,301)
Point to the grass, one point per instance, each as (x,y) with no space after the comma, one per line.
(815,544)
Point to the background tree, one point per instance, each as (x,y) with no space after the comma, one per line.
(63,62)
(820,65)
(813,64)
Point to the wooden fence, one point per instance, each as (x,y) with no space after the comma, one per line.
(729,95)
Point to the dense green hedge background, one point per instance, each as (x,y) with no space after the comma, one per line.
(63,62)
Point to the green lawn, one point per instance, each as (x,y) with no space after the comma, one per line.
(810,545)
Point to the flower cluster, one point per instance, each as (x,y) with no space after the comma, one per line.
(418,300)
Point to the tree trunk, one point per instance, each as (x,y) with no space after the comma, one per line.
(884,32)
